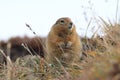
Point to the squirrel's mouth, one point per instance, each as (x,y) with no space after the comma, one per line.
(70,26)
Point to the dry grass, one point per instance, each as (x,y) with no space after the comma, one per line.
(100,61)
(106,64)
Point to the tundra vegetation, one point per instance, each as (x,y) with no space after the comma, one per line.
(22,58)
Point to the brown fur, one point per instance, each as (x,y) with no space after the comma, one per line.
(63,42)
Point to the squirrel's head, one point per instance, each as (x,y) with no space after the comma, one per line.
(64,26)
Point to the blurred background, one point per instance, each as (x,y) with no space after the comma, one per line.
(42,14)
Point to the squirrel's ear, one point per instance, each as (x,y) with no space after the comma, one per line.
(57,22)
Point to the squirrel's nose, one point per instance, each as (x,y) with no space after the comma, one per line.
(70,25)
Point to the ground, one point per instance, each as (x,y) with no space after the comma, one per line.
(100,61)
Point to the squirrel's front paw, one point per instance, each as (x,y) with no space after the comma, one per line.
(65,45)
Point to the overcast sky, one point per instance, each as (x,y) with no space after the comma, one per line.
(42,14)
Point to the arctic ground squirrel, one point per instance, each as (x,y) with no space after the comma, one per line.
(63,44)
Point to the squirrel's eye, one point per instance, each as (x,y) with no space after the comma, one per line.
(62,22)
